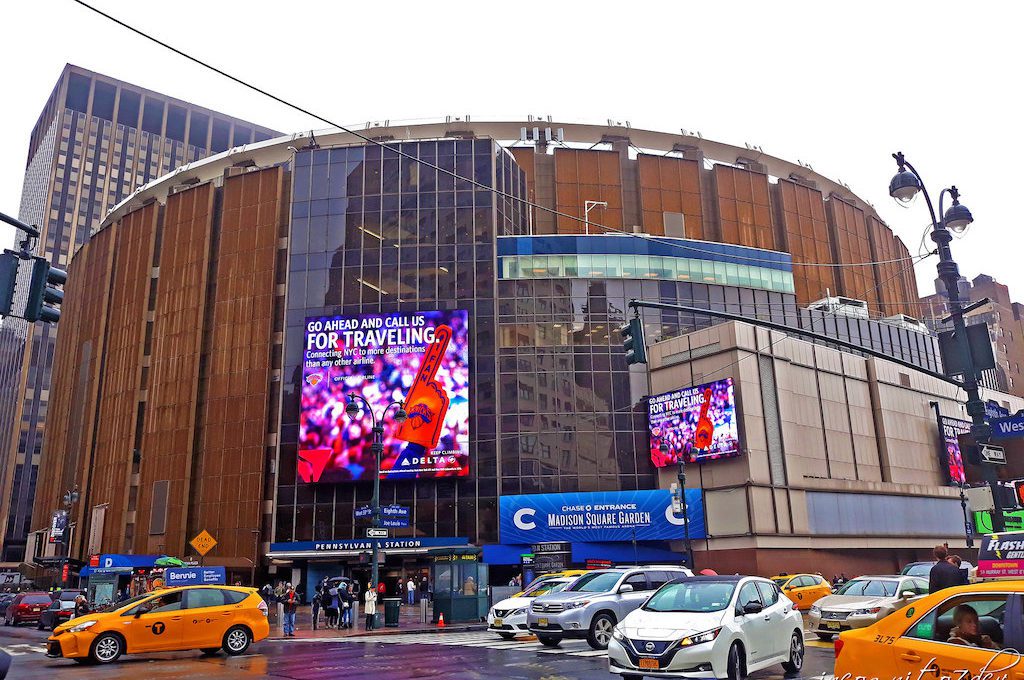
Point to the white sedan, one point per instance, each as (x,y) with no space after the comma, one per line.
(508,617)
(709,627)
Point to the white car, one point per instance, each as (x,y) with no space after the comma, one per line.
(709,627)
(508,617)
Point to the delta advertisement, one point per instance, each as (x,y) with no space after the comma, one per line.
(597,517)
(421,358)
(952,457)
(697,423)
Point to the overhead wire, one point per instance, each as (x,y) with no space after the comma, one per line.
(392,148)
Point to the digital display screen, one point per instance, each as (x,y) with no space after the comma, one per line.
(697,423)
(419,358)
(952,459)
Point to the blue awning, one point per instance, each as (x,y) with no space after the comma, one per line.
(503,554)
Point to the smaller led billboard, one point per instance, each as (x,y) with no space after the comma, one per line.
(952,459)
(697,423)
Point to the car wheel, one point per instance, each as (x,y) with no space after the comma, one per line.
(796,654)
(40,626)
(210,651)
(237,640)
(106,648)
(629,676)
(507,636)
(824,636)
(549,640)
(601,631)
(737,666)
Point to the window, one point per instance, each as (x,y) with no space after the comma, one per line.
(154,605)
(869,587)
(674,224)
(769,593)
(233,596)
(660,578)
(205,597)
(638,581)
(938,623)
(748,594)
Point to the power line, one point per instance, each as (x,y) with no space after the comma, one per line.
(434,166)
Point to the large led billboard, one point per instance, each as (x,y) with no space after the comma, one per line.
(420,358)
(697,423)
(952,459)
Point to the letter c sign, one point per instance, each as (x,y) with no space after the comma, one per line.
(521,521)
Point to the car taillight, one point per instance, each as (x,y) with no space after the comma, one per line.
(23,606)
(263,608)
(839,646)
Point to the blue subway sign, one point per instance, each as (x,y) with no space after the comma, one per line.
(195,576)
(597,517)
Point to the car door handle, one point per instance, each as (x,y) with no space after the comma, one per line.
(175,618)
(910,656)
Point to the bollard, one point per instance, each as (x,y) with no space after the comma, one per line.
(423,611)
(355,615)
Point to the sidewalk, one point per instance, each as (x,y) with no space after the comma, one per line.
(408,622)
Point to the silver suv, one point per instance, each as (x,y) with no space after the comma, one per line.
(592,605)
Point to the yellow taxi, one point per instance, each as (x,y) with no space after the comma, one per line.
(208,618)
(960,632)
(550,575)
(803,589)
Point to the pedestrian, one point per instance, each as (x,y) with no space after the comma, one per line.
(290,600)
(81,606)
(424,589)
(469,586)
(410,590)
(370,601)
(957,562)
(333,605)
(316,603)
(943,574)
(347,599)
(398,589)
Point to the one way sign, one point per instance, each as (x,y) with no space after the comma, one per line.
(992,454)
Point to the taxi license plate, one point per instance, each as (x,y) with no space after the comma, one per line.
(497,623)
(833,625)
(543,623)
(649,664)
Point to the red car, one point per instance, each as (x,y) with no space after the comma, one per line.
(26,607)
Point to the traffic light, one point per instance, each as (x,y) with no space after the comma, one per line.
(44,292)
(633,341)
(8,277)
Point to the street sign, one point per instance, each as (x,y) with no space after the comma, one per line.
(376,533)
(393,511)
(204,542)
(394,522)
(364,511)
(1009,427)
(992,454)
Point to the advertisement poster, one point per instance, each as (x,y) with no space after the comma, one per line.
(596,517)
(952,458)
(698,423)
(58,525)
(421,358)
(1001,555)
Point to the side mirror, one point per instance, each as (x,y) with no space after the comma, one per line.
(138,613)
(753,607)
(625,588)
(907,594)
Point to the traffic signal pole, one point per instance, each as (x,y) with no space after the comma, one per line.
(40,281)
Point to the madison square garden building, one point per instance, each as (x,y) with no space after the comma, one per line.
(218,318)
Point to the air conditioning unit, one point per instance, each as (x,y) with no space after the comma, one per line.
(841,305)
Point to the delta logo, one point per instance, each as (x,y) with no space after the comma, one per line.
(428,460)
(314,379)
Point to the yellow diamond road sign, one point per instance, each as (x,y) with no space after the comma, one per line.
(204,542)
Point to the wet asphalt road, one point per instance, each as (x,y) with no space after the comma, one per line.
(446,655)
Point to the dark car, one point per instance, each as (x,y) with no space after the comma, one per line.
(66,594)
(26,607)
(60,611)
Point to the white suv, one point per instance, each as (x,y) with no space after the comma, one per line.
(592,605)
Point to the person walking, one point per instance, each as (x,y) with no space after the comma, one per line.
(410,590)
(316,604)
(333,604)
(347,599)
(398,590)
(943,574)
(424,589)
(370,601)
(290,600)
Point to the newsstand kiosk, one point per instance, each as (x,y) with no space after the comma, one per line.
(460,583)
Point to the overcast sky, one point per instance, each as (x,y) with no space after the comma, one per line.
(838,85)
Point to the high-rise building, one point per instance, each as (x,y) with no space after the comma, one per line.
(97,140)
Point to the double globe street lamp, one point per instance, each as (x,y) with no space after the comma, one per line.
(903,187)
(377,447)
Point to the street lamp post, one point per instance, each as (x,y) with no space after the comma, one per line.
(70,498)
(903,187)
(377,448)
(255,556)
(681,475)
(587,207)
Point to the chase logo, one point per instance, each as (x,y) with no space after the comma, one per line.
(523,519)
(314,379)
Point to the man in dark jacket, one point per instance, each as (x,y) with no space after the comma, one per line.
(290,600)
(943,574)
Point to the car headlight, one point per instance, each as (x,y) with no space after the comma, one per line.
(78,628)
(816,610)
(517,612)
(700,638)
(578,604)
(617,634)
(865,612)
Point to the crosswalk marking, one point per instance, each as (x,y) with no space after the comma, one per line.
(480,640)
(22,649)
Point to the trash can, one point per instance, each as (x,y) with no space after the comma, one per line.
(391,609)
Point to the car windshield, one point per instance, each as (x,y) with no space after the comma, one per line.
(781,580)
(546,587)
(112,606)
(922,569)
(688,596)
(872,587)
(598,582)
(37,599)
